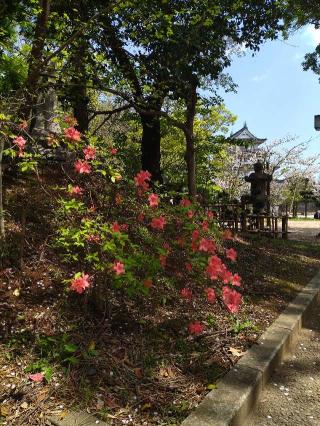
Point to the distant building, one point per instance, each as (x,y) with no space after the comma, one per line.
(248,147)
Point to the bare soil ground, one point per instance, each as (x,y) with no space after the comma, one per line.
(304,230)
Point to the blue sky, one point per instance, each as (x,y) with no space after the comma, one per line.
(275,96)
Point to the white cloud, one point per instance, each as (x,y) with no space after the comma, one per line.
(313,35)
(259,77)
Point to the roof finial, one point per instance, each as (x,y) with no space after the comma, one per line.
(245,125)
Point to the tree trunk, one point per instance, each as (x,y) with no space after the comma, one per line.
(191,103)
(1,192)
(150,146)
(191,164)
(36,56)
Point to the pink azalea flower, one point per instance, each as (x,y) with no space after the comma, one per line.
(158,223)
(186,293)
(81,283)
(185,202)
(36,377)
(124,227)
(231,299)
(231,254)
(153,200)
(20,142)
(195,328)
(118,268)
(82,167)
(113,151)
(89,152)
(72,134)
(76,190)
(210,215)
(211,295)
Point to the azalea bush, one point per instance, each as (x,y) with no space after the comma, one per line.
(128,234)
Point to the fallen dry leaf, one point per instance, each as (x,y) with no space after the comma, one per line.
(236,352)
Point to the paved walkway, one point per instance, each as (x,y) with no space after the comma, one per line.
(304,229)
(292,397)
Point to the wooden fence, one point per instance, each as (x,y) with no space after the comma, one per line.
(233,217)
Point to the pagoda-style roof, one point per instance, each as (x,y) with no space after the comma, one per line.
(244,134)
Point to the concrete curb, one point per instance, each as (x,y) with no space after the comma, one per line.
(239,390)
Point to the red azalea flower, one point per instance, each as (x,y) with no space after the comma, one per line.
(215,267)
(211,295)
(118,268)
(141,180)
(81,283)
(186,293)
(185,202)
(195,235)
(140,217)
(115,227)
(231,299)
(72,134)
(210,214)
(190,214)
(82,167)
(89,153)
(195,328)
(158,223)
(236,280)
(205,226)
(113,151)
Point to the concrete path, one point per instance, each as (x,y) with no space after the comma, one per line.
(292,397)
(304,229)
